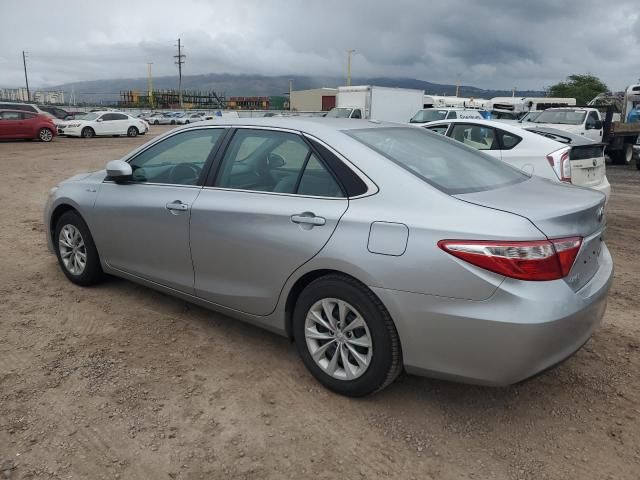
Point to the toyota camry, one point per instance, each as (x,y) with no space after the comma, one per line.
(375,247)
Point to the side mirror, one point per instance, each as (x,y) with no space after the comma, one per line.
(119,170)
(99,120)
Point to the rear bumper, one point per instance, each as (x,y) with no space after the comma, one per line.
(523,329)
(604,187)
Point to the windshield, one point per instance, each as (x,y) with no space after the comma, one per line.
(339,113)
(91,116)
(563,117)
(429,115)
(447,165)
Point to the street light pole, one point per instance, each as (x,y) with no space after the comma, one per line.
(349,53)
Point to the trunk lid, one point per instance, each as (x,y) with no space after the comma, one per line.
(587,164)
(558,211)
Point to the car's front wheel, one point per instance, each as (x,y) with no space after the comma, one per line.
(346,337)
(45,134)
(132,132)
(87,132)
(76,251)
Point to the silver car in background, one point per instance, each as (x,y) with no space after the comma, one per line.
(375,247)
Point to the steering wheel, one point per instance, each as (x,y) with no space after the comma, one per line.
(184,174)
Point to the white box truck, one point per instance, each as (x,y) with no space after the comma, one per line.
(377,103)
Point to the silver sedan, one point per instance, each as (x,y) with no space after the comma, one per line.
(374,247)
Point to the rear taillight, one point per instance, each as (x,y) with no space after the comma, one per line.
(559,161)
(536,260)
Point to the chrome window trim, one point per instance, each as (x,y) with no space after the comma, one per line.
(128,158)
(294,195)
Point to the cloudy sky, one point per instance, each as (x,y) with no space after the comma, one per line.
(489,44)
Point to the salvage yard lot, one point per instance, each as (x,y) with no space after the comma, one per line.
(119,381)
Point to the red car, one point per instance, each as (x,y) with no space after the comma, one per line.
(20,124)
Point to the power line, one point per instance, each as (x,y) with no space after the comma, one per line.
(179,61)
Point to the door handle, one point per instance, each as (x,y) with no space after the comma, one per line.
(308,218)
(178,206)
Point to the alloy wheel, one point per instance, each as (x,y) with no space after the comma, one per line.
(46,135)
(338,338)
(73,251)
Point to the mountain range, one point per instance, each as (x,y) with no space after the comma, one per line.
(100,91)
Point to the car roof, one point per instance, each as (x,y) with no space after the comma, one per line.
(17,111)
(311,125)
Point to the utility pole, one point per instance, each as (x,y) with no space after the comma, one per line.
(349,53)
(179,61)
(26,78)
(290,97)
(150,84)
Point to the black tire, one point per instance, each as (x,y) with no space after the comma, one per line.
(186,122)
(45,135)
(386,360)
(623,156)
(88,132)
(132,132)
(173,122)
(92,272)
(156,122)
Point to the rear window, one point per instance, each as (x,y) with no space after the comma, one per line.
(447,165)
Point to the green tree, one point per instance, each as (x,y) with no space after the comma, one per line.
(581,87)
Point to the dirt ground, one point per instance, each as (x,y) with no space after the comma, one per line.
(119,381)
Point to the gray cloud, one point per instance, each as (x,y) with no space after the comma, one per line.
(491,44)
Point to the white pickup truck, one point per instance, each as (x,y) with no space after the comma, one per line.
(617,130)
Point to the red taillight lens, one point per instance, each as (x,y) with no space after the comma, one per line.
(536,260)
(559,161)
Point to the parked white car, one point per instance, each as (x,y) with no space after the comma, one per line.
(540,152)
(427,115)
(104,123)
(190,118)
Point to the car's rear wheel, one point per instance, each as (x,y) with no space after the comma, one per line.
(346,337)
(187,122)
(88,132)
(76,251)
(173,122)
(156,122)
(45,134)
(623,156)
(132,132)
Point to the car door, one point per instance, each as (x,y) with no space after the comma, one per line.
(102,125)
(119,124)
(271,207)
(591,125)
(142,226)
(480,137)
(11,125)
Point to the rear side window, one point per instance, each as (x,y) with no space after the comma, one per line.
(508,140)
(10,116)
(449,166)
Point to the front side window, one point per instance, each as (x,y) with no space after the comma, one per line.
(592,119)
(177,160)
(270,161)
(356,113)
(448,166)
(452,114)
(475,136)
